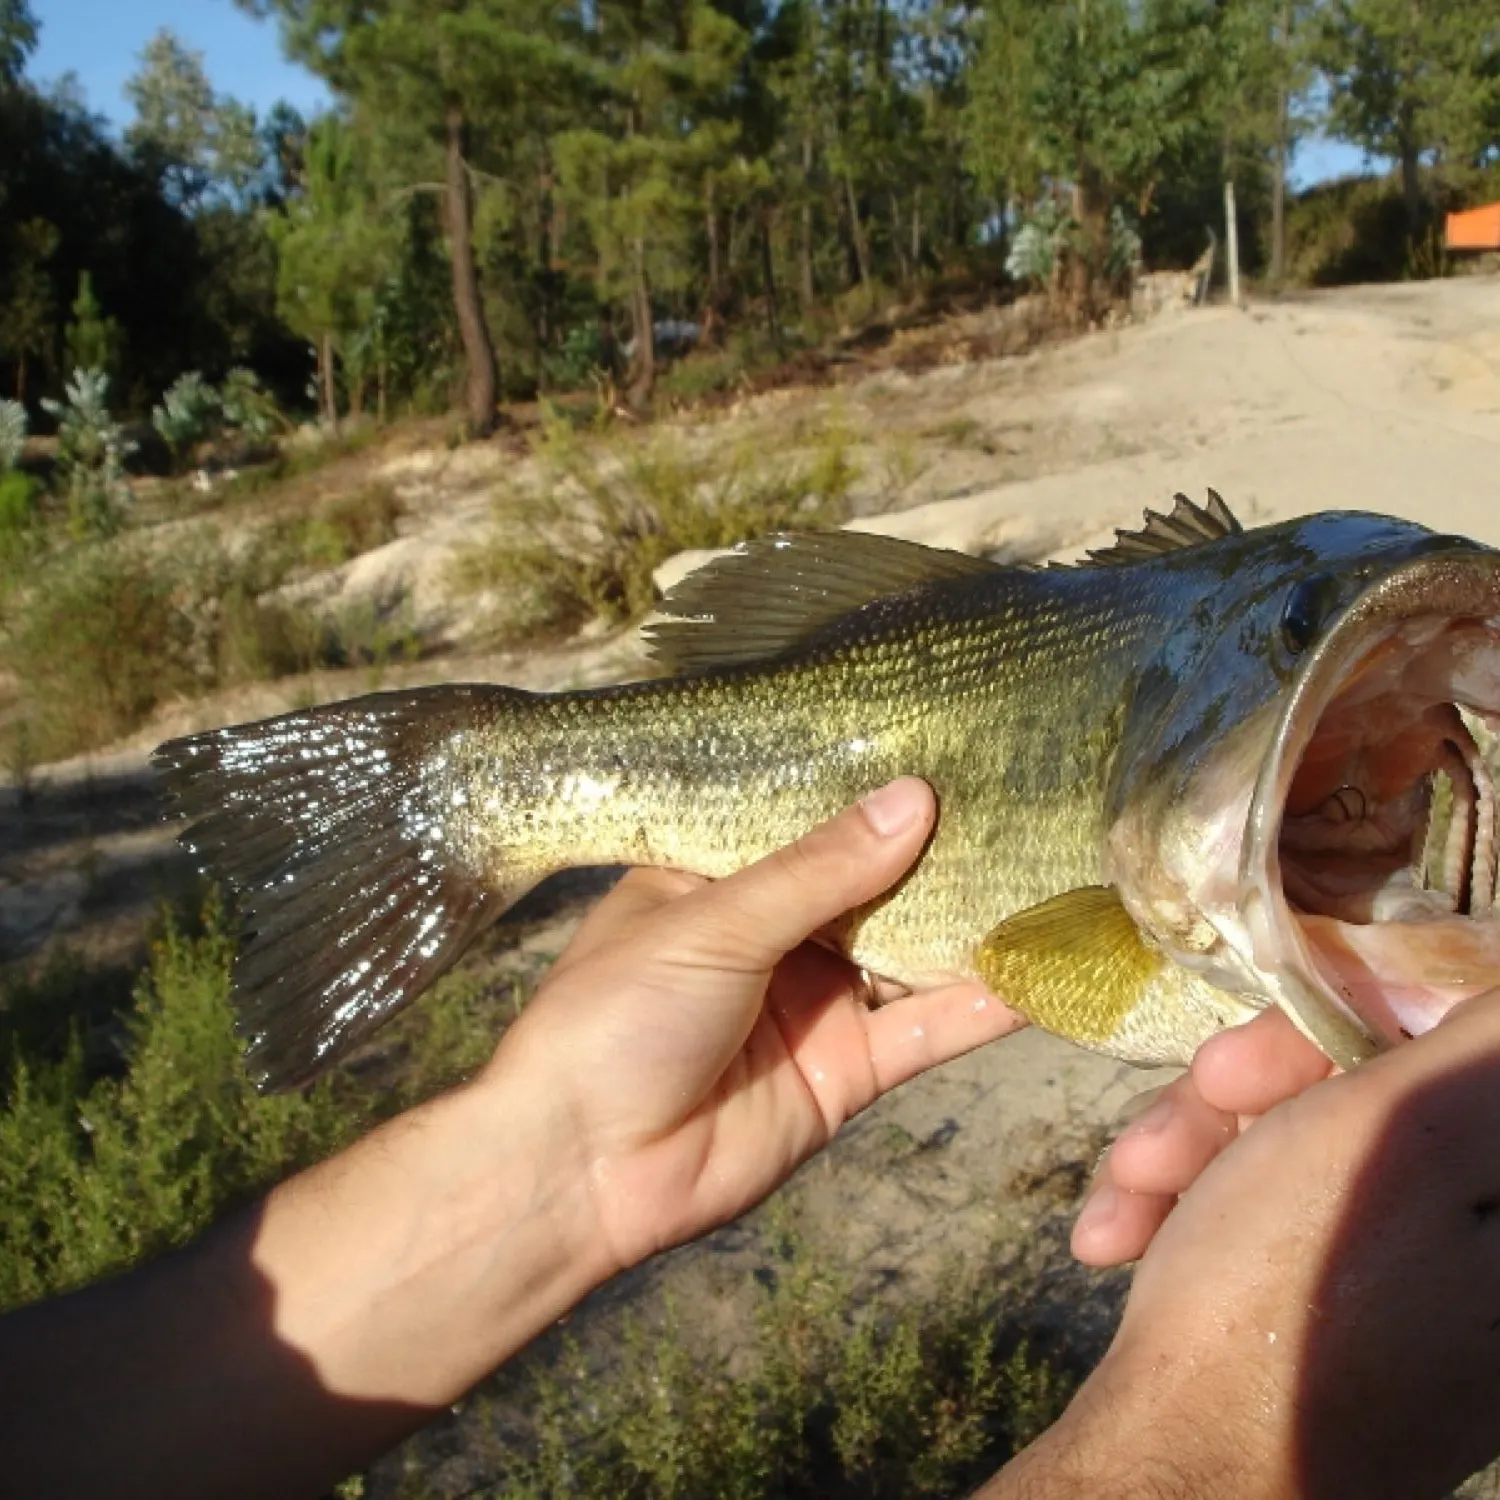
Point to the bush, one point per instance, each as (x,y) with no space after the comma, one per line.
(825,1400)
(108,631)
(189,414)
(12,434)
(587,542)
(21,533)
(91,453)
(97,1172)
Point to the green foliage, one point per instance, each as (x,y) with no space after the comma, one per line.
(96,1173)
(91,454)
(826,1399)
(20,526)
(1413,82)
(191,139)
(247,407)
(586,543)
(189,413)
(12,434)
(18,38)
(93,340)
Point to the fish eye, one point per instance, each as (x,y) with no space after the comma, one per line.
(1310,602)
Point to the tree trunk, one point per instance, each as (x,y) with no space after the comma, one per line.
(479,351)
(329,397)
(857,232)
(1278,166)
(711,223)
(1411,178)
(768,276)
(21,377)
(1087,274)
(806,287)
(643,363)
(903,269)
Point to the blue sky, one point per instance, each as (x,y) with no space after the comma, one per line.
(101,41)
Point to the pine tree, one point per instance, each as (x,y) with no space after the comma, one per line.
(93,341)
(448,69)
(1414,80)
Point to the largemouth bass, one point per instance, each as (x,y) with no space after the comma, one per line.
(1204,771)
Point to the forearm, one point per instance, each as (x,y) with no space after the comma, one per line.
(302,1338)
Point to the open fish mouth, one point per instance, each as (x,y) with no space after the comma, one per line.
(1368,876)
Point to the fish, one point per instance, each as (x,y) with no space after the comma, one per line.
(1200,772)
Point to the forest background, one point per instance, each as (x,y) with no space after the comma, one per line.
(508,196)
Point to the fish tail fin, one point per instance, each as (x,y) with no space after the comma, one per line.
(333,827)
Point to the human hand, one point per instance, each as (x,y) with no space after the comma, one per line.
(1318,1316)
(1235,1078)
(694,1048)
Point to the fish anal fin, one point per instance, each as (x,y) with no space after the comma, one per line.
(1078,965)
(766,596)
(1189,525)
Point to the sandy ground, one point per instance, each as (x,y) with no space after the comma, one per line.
(1383,399)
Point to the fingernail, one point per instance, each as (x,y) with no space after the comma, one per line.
(896,806)
(1099,1211)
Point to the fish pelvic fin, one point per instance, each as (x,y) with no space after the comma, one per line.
(330,825)
(1078,965)
(1189,525)
(769,596)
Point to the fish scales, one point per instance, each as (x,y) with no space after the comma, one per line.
(1106,743)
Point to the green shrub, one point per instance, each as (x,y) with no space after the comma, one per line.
(104,633)
(98,1172)
(189,414)
(98,641)
(91,453)
(12,434)
(587,541)
(21,534)
(825,1400)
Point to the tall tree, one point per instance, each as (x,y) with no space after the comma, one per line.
(451,68)
(337,249)
(1414,80)
(1101,96)
(18,39)
(640,182)
(197,142)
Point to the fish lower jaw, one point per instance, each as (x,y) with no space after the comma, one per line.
(1374,911)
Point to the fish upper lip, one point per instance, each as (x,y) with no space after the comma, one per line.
(1450,582)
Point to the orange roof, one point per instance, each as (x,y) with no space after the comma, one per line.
(1474,229)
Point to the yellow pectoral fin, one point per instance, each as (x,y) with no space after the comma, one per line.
(1079,966)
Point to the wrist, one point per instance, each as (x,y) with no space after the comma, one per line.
(1141,1430)
(413,1264)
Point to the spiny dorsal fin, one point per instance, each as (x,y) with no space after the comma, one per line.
(767,595)
(1187,526)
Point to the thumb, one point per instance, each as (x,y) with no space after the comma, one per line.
(752,918)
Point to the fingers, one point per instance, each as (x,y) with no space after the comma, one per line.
(922,1030)
(749,920)
(1165,1150)
(1252,1068)
(1116,1226)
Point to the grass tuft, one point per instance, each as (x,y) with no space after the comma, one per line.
(585,543)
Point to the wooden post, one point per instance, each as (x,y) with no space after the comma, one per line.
(1233,244)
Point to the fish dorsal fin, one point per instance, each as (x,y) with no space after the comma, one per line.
(766,596)
(1189,525)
